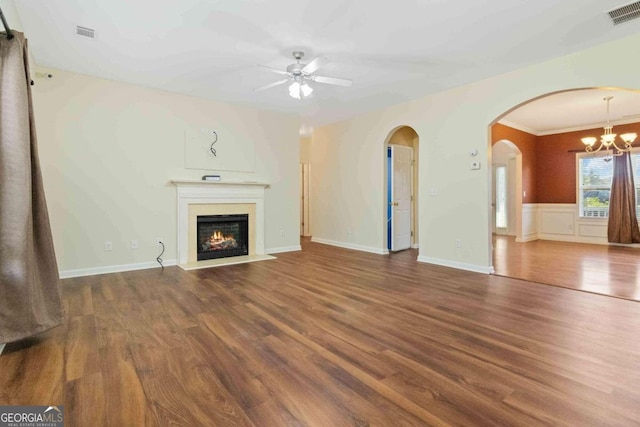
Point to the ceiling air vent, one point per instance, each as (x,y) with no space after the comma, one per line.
(625,13)
(85,32)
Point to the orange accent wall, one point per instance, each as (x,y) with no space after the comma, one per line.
(527,144)
(549,161)
(556,171)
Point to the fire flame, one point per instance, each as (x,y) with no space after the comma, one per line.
(218,237)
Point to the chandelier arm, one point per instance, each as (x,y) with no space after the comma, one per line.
(590,149)
(627,147)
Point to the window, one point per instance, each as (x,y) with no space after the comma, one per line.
(594,184)
(501,196)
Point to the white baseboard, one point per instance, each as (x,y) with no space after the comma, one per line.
(573,238)
(528,238)
(283,249)
(415,246)
(350,246)
(66,274)
(2,348)
(455,264)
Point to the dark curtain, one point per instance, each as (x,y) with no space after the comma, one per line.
(623,224)
(29,283)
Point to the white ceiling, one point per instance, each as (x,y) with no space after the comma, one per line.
(575,110)
(393,50)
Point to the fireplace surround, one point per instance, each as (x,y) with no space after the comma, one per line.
(201,198)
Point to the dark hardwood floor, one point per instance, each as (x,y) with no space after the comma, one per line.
(601,269)
(331,337)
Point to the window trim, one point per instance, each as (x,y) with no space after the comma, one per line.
(579,156)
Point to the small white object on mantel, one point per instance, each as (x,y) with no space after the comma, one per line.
(190,192)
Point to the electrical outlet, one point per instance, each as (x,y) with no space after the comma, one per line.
(134,244)
(281,233)
(108,247)
(158,240)
(458,243)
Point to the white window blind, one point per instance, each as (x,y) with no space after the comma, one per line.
(594,182)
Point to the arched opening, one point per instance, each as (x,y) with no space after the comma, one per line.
(400,203)
(558,241)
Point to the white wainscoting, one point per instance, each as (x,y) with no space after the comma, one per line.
(556,219)
(560,222)
(529,222)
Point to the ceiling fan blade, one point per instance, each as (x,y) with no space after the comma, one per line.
(315,65)
(274,70)
(332,81)
(270,85)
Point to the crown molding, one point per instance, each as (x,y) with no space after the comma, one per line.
(518,127)
(587,127)
(565,130)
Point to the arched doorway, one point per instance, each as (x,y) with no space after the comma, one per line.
(403,141)
(567,246)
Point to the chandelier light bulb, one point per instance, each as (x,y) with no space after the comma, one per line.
(629,137)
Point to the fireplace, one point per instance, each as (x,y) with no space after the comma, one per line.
(222,236)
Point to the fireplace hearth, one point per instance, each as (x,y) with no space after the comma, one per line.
(222,236)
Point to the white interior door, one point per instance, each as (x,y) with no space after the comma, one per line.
(401,160)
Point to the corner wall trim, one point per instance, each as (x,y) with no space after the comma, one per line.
(67,274)
(457,265)
(350,246)
(283,249)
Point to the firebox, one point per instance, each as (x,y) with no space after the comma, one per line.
(221,236)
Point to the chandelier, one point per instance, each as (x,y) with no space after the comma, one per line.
(608,139)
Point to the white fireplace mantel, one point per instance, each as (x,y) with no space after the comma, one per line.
(190,192)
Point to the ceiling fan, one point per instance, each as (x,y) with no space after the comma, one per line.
(301,74)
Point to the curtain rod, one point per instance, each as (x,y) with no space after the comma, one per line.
(6,26)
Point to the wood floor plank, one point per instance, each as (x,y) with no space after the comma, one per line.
(84,400)
(329,336)
(602,269)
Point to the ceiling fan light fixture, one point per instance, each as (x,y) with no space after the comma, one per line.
(300,75)
(294,90)
(306,90)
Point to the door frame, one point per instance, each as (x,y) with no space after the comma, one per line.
(415,184)
(390,189)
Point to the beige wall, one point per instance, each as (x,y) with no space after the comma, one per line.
(305,149)
(109,149)
(454,200)
(11,15)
